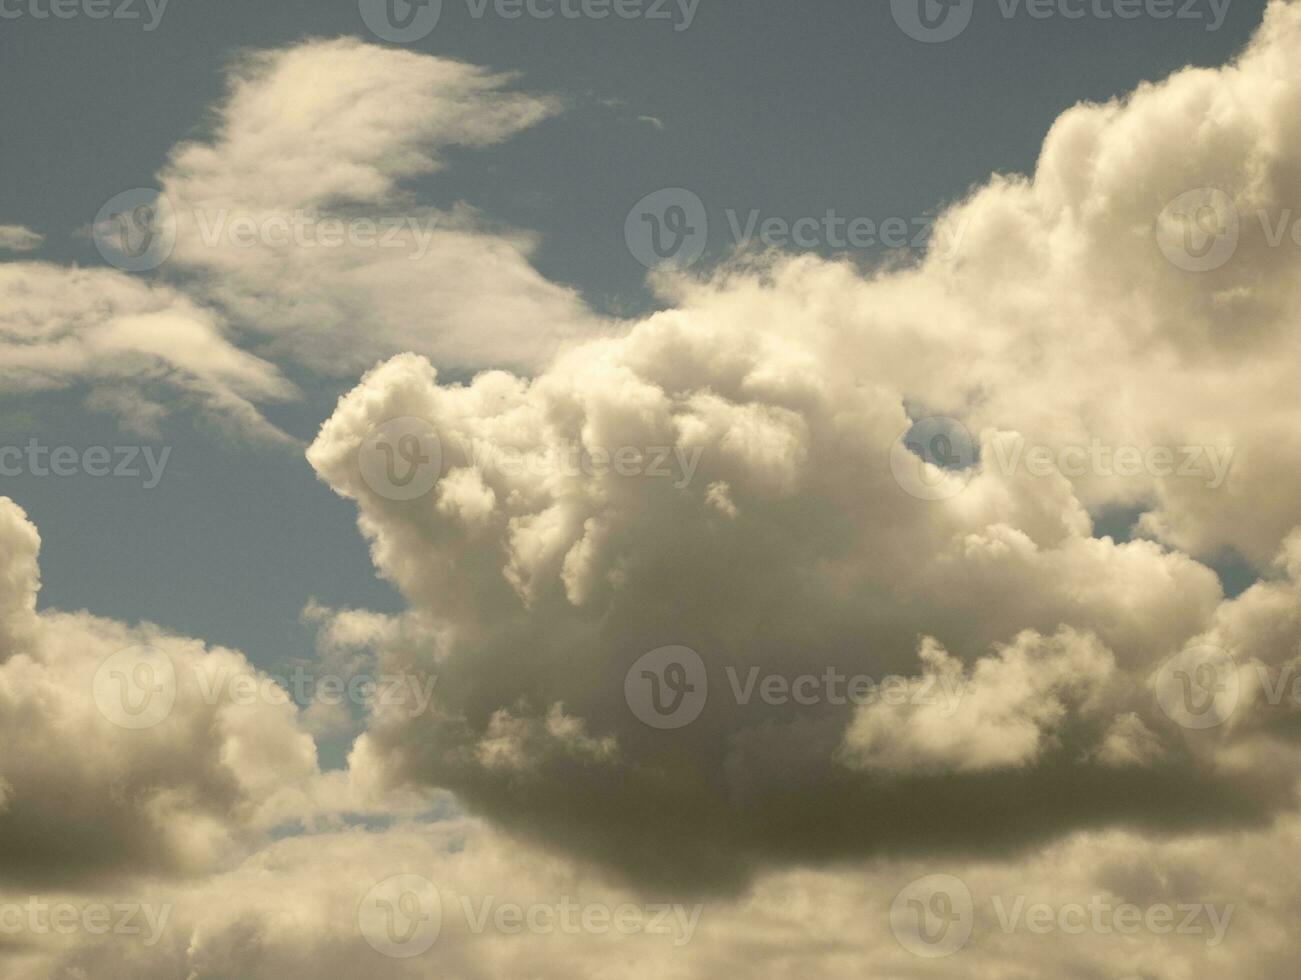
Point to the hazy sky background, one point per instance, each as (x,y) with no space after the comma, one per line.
(789,108)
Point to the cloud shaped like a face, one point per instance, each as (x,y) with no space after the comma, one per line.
(294,216)
(778,540)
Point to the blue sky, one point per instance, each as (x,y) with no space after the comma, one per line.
(786,108)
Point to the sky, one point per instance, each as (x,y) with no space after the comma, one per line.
(791,110)
(821,472)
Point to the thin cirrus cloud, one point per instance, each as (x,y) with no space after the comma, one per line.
(292,152)
(17,238)
(139,350)
(324,133)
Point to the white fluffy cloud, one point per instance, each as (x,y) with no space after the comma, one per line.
(296,218)
(137,348)
(781,540)
(719,476)
(91,798)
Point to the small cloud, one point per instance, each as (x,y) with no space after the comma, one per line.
(16,238)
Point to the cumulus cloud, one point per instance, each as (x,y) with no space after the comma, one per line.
(903,667)
(134,753)
(294,910)
(782,539)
